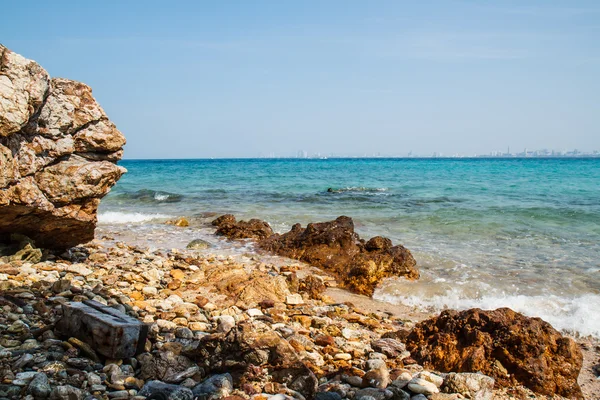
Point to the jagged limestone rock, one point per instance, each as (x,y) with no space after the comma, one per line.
(58,154)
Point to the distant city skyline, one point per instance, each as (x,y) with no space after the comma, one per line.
(235,79)
(525,153)
(508,153)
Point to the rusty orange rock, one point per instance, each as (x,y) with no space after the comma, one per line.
(228,226)
(335,247)
(508,346)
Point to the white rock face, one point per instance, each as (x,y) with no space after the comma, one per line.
(421,386)
(23,85)
(294,299)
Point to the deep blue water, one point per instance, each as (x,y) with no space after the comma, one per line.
(485,232)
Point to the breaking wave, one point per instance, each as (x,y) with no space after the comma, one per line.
(117,217)
(569,314)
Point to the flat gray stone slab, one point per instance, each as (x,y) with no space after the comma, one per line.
(110,332)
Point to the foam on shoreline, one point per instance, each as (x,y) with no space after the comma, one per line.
(568,314)
(118,217)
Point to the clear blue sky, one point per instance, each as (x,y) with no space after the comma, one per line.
(242,78)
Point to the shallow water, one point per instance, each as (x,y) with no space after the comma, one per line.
(522,233)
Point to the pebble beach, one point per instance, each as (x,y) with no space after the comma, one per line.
(349,343)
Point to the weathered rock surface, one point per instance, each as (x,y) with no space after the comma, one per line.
(511,348)
(228,226)
(250,345)
(334,246)
(472,386)
(110,332)
(247,288)
(58,151)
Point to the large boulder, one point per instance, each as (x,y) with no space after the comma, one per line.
(58,154)
(334,246)
(508,346)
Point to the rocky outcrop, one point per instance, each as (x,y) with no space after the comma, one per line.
(503,344)
(58,151)
(228,226)
(335,247)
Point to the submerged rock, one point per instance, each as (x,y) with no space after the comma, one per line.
(58,154)
(531,352)
(181,222)
(198,244)
(334,246)
(228,226)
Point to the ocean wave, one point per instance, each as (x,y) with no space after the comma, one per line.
(357,189)
(117,217)
(569,314)
(149,196)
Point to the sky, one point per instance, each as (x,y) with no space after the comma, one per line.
(249,78)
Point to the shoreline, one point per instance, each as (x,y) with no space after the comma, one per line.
(410,315)
(435,295)
(189,295)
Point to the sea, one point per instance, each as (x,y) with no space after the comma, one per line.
(488,233)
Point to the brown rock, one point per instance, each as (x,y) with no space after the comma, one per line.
(174,284)
(324,340)
(251,344)
(313,286)
(390,347)
(334,246)
(332,330)
(201,301)
(181,222)
(225,219)
(177,274)
(57,155)
(533,353)
(247,289)
(162,365)
(303,320)
(252,229)
(266,304)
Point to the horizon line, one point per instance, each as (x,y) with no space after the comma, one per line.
(488,157)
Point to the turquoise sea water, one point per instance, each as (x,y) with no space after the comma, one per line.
(523,233)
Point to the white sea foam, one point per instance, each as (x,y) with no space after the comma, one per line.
(576,314)
(363,189)
(161,196)
(117,217)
